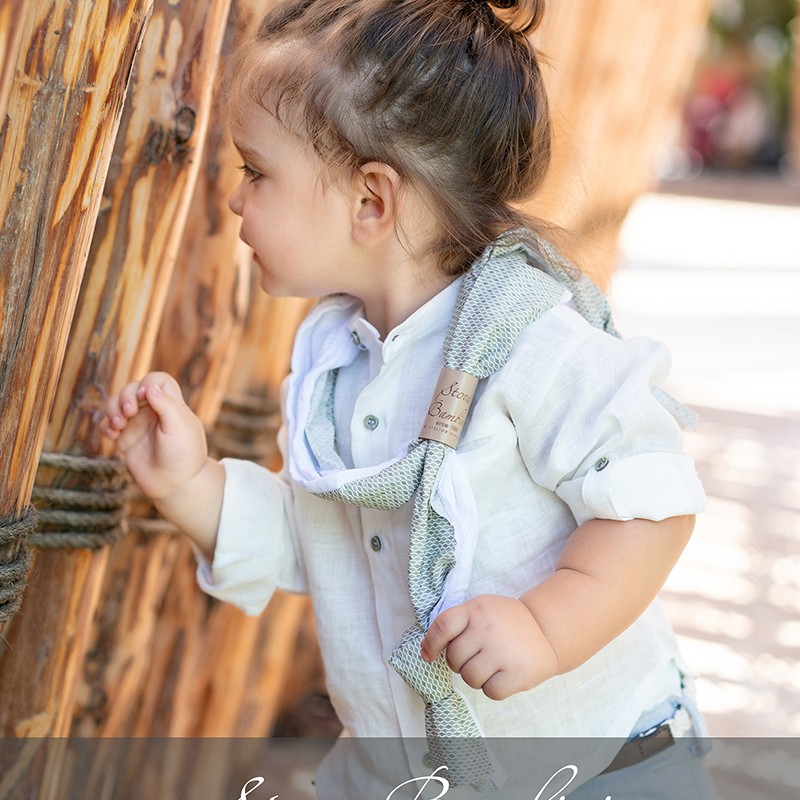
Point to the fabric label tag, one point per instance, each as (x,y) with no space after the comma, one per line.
(448,410)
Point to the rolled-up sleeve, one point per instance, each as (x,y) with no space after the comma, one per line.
(591,430)
(255,551)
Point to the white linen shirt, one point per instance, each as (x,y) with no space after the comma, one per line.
(568,430)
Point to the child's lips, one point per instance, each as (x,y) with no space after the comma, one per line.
(255,255)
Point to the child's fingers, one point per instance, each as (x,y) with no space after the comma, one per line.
(500,685)
(125,405)
(107,430)
(463,649)
(129,399)
(446,627)
(165,405)
(116,419)
(478,671)
(164,381)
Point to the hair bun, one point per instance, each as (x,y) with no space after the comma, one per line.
(523,16)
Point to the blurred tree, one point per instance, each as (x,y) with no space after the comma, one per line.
(757,34)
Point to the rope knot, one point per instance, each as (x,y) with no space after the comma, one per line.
(15,559)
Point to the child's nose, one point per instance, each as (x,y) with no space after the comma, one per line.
(235,200)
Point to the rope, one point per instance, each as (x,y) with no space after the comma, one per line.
(144,519)
(89,516)
(91,465)
(15,559)
(151,526)
(247,427)
(96,514)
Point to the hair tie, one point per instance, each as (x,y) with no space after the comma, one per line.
(495,3)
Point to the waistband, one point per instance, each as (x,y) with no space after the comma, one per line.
(678,717)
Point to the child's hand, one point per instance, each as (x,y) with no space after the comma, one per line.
(161,440)
(494,643)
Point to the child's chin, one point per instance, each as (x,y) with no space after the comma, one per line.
(275,288)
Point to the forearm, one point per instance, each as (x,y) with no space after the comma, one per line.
(195,509)
(607,575)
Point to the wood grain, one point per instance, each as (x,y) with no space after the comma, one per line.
(64,103)
(11,17)
(205,308)
(148,197)
(231,668)
(62,115)
(138,231)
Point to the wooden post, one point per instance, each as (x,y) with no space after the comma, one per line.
(133,251)
(224,670)
(136,249)
(56,143)
(62,114)
(254,665)
(11,15)
(215,671)
(617,74)
(156,649)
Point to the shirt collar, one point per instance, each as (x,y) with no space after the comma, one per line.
(432,317)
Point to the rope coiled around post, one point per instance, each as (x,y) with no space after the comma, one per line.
(90,515)
(143,519)
(247,427)
(15,559)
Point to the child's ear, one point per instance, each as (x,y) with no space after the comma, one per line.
(374,207)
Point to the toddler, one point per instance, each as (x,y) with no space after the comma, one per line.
(484,487)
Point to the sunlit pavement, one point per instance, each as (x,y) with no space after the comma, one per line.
(719,282)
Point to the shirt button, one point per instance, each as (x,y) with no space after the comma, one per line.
(601,464)
(371,422)
(427,761)
(375,543)
(356,338)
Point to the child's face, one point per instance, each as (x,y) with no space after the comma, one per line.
(299,229)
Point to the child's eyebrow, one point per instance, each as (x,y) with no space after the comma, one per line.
(245,153)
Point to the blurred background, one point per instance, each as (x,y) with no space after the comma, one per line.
(740,114)
(710,263)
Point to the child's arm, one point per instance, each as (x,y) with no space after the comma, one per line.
(164,446)
(608,573)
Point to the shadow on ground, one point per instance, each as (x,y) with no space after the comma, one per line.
(734,598)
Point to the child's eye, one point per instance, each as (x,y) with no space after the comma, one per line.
(249,172)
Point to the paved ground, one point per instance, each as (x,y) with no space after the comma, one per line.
(719,281)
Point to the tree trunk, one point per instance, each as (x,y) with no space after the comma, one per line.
(617,75)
